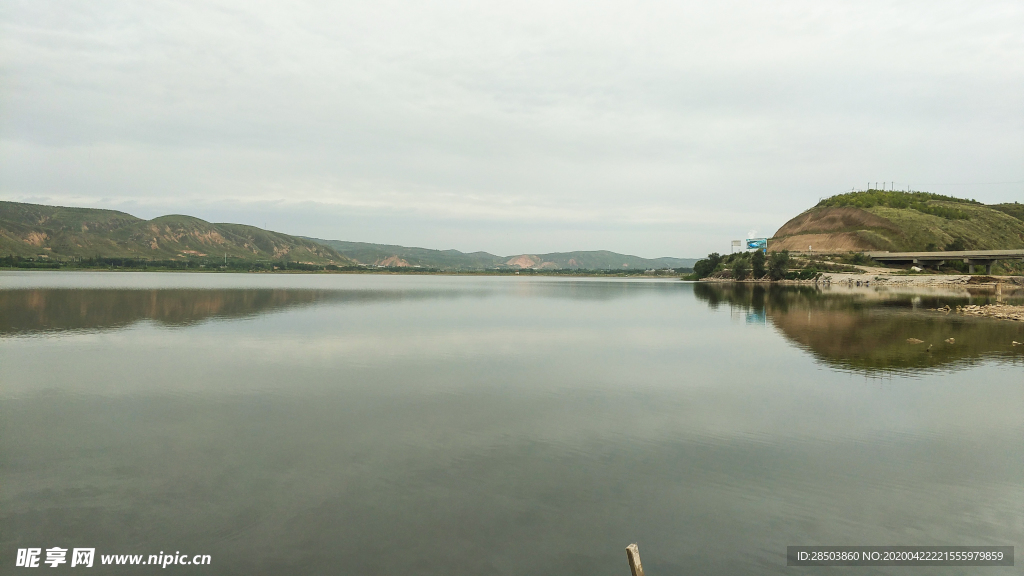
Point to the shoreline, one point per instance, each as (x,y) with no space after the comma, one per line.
(999,311)
(889,280)
(379,272)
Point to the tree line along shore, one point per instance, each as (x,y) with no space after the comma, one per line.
(784,265)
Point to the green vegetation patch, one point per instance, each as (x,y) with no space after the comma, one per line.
(1015,209)
(984,229)
(756,266)
(920,201)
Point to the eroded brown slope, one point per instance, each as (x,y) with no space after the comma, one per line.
(832,220)
(835,230)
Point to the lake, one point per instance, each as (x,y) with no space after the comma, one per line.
(387,424)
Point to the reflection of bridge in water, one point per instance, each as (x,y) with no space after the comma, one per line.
(970,257)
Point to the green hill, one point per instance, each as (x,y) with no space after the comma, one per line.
(902,221)
(1015,209)
(390,255)
(59,233)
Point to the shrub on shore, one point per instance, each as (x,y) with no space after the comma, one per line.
(740,269)
(757,264)
(706,266)
(778,265)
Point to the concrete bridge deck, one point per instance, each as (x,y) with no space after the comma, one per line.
(970,257)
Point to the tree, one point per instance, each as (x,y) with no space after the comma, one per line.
(740,269)
(704,267)
(956,245)
(757,264)
(778,265)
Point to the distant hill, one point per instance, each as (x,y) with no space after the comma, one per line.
(62,233)
(596,260)
(33,230)
(402,256)
(389,255)
(902,221)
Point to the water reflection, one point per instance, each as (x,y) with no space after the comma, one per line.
(32,310)
(56,310)
(443,425)
(868,331)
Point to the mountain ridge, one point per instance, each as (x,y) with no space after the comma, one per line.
(393,255)
(57,233)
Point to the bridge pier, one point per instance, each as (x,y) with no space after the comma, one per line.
(926,263)
(972,262)
(973,258)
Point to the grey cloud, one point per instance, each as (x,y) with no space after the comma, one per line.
(545,117)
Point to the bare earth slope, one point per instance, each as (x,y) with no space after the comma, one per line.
(830,219)
(831,229)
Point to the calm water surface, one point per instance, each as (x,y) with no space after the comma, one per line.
(335,424)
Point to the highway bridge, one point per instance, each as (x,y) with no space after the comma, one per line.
(970,257)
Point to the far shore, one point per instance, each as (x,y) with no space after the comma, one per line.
(396,271)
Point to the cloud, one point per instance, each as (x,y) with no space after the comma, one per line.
(551,114)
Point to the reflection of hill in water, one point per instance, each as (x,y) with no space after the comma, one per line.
(854,332)
(24,311)
(47,310)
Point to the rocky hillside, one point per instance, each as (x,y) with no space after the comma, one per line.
(902,221)
(34,230)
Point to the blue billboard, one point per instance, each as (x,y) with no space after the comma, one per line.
(757,243)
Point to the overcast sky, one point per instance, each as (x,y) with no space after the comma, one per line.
(653,128)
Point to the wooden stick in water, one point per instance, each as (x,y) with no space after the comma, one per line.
(633,554)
